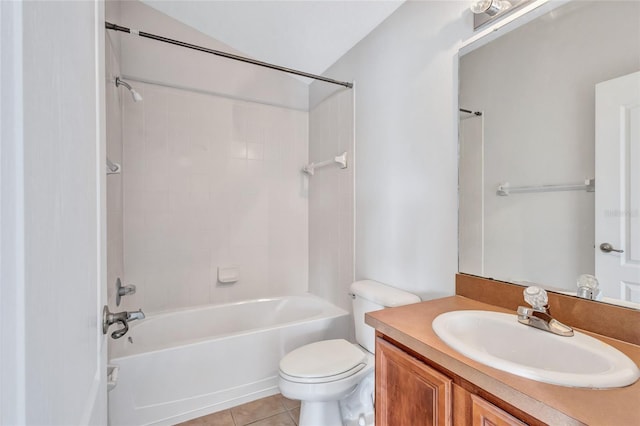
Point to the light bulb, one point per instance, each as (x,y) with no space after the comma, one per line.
(481,6)
(490,7)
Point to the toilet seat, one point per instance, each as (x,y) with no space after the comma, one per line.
(321,362)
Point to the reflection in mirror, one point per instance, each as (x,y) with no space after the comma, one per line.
(558,102)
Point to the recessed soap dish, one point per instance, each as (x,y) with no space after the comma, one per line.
(112,376)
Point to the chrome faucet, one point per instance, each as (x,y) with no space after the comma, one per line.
(588,287)
(123,318)
(538,315)
(135,315)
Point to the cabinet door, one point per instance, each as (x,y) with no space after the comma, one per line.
(408,392)
(486,414)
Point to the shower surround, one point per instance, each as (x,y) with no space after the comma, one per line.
(212,182)
(210,175)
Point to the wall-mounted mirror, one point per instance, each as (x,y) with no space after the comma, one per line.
(550,151)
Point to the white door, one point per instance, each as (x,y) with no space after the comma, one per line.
(617,247)
(52,349)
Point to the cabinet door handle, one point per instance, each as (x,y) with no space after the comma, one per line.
(608,248)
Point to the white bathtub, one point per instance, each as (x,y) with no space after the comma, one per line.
(179,365)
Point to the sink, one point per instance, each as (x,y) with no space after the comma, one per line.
(500,341)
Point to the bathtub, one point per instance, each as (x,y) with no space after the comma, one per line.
(183,364)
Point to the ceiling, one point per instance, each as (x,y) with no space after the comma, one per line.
(308,35)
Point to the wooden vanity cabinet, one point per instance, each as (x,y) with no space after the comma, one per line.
(408,391)
(411,393)
(473,410)
(486,414)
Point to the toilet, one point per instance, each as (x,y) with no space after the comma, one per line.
(334,379)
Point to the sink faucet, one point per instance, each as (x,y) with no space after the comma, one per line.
(538,315)
(588,287)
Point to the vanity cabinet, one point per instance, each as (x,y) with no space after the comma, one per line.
(485,414)
(411,393)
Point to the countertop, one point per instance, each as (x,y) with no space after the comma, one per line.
(411,326)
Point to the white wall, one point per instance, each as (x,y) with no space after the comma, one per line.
(536,88)
(154,61)
(331,200)
(406,143)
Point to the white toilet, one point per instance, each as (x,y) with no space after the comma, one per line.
(329,374)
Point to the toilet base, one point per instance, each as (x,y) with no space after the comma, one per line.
(320,402)
(320,413)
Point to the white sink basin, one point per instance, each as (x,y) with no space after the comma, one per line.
(500,341)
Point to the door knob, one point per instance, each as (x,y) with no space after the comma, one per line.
(608,248)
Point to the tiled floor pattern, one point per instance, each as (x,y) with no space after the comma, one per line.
(273,410)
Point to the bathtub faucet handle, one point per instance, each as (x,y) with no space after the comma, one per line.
(123,290)
(109,318)
(127,289)
(121,331)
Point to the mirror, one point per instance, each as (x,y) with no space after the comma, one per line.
(533,138)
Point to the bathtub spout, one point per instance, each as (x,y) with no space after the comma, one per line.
(135,315)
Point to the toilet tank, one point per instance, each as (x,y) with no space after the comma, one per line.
(368,296)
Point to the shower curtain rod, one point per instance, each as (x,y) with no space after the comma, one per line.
(115,27)
(468,111)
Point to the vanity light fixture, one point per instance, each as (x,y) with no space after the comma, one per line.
(485,11)
(490,7)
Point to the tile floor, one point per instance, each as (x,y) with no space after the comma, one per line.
(273,410)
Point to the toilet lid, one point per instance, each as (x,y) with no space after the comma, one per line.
(328,359)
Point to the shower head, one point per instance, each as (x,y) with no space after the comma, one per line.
(135,95)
